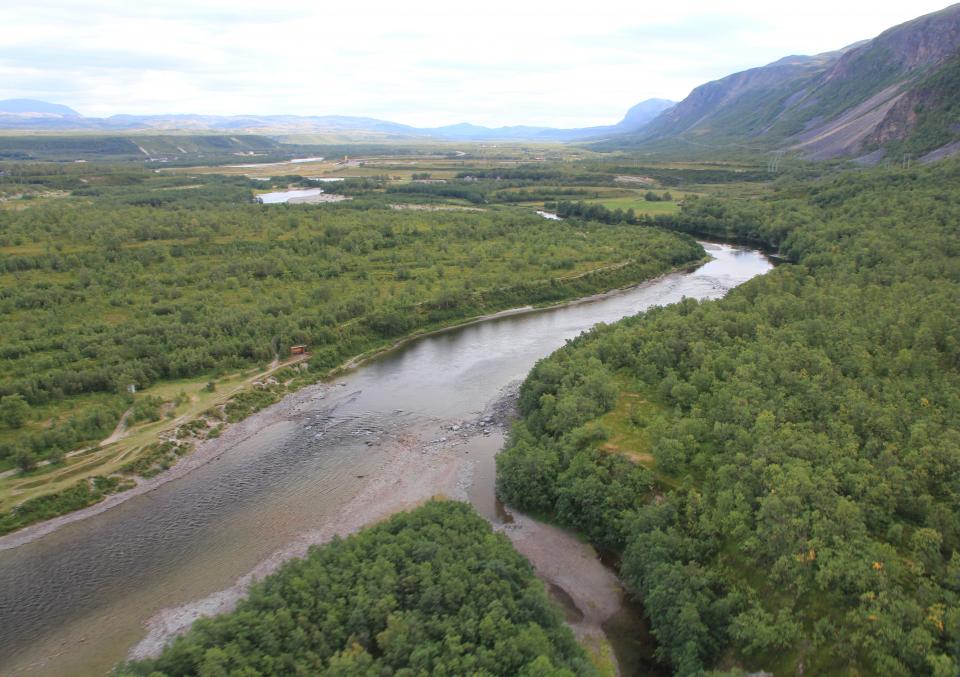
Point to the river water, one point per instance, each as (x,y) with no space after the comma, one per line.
(282,196)
(74,601)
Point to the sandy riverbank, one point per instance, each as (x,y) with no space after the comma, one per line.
(413,475)
(432,460)
(561,560)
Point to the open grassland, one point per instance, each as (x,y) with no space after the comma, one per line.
(640,205)
(627,427)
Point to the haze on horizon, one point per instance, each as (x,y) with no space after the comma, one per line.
(420,63)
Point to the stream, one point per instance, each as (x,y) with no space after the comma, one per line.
(416,421)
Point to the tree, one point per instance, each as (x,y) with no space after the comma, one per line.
(25,460)
(14,410)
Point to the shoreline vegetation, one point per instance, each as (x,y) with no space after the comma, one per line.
(173,449)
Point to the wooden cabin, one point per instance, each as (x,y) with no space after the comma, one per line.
(298,350)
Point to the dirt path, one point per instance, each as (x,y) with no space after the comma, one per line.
(121,432)
(206,452)
(118,433)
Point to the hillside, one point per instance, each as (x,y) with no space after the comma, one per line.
(895,92)
(166,147)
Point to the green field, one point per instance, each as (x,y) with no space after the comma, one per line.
(639,205)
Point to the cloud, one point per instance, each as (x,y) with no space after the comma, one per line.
(419,62)
(44,57)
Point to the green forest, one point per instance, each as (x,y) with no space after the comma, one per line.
(780,469)
(429,592)
(136,280)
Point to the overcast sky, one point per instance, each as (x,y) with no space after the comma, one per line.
(422,63)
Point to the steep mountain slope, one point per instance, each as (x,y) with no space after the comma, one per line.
(845,103)
(742,103)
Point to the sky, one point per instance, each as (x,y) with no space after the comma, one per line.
(422,63)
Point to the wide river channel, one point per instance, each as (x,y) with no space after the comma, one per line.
(74,601)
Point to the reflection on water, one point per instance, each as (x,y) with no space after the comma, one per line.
(76,599)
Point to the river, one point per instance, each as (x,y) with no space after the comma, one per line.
(295,161)
(323,461)
(300,196)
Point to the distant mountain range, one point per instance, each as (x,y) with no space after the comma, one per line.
(29,114)
(636,118)
(895,95)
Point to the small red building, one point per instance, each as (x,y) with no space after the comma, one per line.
(298,350)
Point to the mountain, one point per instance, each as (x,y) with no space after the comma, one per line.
(33,114)
(896,93)
(28,114)
(257,123)
(33,107)
(636,118)
(644,113)
(469,132)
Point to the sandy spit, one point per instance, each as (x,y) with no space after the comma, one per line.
(417,472)
(563,560)
(422,467)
